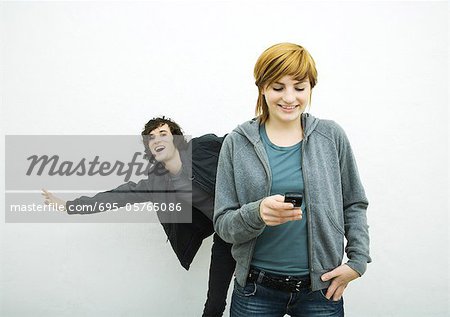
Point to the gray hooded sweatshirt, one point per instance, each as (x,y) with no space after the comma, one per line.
(334,197)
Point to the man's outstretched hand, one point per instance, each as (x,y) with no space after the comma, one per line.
(49,198)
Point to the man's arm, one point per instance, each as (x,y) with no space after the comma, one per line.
(128,193)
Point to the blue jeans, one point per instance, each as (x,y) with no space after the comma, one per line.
(257,300)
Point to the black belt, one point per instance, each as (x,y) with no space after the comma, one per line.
(286,283)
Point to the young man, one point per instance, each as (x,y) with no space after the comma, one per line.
(176,175)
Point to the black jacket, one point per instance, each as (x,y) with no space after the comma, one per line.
(185,238)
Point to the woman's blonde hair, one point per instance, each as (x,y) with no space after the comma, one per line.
(277,61)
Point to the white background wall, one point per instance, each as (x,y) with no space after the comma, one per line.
(106,68)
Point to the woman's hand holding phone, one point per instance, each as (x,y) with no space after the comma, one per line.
(274,211)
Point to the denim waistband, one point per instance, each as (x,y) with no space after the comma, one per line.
(286,283)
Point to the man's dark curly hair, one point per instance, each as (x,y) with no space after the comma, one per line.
(179,142)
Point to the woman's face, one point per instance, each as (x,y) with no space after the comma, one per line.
(287,98)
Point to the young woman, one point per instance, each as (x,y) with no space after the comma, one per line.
(289,259)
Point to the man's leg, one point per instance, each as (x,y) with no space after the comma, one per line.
(221,271)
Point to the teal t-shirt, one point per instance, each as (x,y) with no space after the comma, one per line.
(283,249)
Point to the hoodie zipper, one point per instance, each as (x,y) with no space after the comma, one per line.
(308,214)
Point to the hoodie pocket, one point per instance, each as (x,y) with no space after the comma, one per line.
(327,238)
(339,226)
(327,220)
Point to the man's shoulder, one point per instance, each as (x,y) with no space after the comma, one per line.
(208,138)
(209,143)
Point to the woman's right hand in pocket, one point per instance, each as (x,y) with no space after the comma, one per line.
(274,211)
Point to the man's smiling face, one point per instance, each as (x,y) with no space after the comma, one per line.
(161,144)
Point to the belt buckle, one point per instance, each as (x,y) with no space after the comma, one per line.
(297,286)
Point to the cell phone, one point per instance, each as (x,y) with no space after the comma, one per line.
(294,198)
